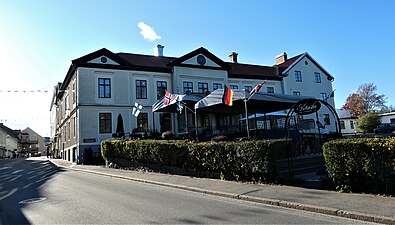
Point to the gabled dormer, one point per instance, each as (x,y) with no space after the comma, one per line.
(200,58)
(286,65)
(101,57)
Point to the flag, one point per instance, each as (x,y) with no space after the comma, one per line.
(257,88)
(136,109)
(332,94)
(180,106)
(173,97)
(227,97)
(167,99)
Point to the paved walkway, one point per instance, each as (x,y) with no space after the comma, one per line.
(365,207)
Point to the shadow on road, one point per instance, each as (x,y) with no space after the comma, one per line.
(20,180)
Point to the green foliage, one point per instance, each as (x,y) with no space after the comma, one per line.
(360,165)
(247,160)
(368,122)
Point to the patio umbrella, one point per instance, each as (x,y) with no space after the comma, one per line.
(120,132)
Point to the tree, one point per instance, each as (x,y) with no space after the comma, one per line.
(364,100)
(368,122)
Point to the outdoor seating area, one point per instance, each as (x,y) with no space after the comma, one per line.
(204,117)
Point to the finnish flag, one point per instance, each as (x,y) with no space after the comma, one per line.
(136,109)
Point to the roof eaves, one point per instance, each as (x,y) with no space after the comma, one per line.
(294,63)
(330,77)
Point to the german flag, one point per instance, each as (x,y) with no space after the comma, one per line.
(227,97)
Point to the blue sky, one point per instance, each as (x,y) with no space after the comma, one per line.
(353,40)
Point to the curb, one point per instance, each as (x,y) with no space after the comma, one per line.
(266,201)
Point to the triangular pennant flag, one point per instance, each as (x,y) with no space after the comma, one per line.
(257,88)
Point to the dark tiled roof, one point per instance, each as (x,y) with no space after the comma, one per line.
(289,61)
(146,60)
(252,71)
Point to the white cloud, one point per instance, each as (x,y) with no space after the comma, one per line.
(148,32)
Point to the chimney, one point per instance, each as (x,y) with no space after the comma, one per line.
(159,50)
(233,57)
(281,58)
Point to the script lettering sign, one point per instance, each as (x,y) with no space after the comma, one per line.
(307,106)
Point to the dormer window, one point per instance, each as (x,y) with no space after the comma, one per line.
(201,60)
(103,59)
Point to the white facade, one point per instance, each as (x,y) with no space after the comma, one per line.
(9,143)
(306,77)
(101,85)
(348,123)
(387,117)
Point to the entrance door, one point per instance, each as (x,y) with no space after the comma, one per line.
(165,122)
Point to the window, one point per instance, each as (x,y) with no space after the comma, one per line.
(217,86)
(188,87)
(104,88)
(202,87)
(317,77)
(66,103)
(270,89)
(74,97)
(206,121)
(234,87)
(141,89)
(142,122)
(323,97)
(327,120)
(297,93)
(298,76)
(342,125)
(248,88)
(75,126)
(105,123)
(161,87)
(352,124)
(69,130)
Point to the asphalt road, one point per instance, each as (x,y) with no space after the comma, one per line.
(37,192)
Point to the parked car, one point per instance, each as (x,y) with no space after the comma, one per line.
(384,128)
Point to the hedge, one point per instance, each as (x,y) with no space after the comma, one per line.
(361,164)
(247,160)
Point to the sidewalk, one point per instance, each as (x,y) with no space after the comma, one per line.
(365,207)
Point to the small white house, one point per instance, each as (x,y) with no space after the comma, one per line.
(388,117)
(348,123)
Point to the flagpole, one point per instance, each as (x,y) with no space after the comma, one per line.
(245,107)
(186,119)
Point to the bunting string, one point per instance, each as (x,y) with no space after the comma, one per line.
(24,91)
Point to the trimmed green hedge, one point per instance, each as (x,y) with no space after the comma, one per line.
(361,164)
(247,160)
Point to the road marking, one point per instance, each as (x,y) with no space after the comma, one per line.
(32,200)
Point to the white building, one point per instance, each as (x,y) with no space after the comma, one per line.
(348,123)
(388,117)
(9,141)
(101,85)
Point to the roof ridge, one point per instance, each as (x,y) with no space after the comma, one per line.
(138,54)
(247,64)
